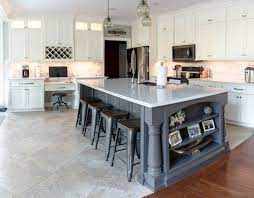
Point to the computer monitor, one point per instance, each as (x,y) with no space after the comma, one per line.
(58,72)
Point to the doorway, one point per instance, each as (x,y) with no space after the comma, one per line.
(116,59)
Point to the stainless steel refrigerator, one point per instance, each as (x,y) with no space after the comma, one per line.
(141,61)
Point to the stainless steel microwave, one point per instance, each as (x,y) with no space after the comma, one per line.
(184,53)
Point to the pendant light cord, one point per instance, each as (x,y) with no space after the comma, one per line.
(108,9)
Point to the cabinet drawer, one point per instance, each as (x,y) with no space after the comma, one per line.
(235,88)
(64,87)
(25,83)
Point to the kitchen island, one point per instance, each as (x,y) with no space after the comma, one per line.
(161,163)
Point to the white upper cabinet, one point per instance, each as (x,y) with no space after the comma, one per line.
(140,35)
(213,44)
(213,16)
(25,40)
(240,12)
(58,31)
(184,29)
(89,41)
(236,39)
(211,35)
(165,37)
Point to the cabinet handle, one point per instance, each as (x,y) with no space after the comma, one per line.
(244,15)
(184,41)
(210,20)
(164,57)
(243,54)
(62,87)
(28,83)
(237,89)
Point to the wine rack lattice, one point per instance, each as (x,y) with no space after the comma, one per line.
(52,52)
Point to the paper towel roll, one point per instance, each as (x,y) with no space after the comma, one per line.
(162,72)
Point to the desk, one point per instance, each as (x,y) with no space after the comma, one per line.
(33,94)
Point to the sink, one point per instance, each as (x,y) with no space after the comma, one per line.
(148,83)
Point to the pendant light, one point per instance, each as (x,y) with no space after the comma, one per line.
(143,8)
(147,21)
(107,21)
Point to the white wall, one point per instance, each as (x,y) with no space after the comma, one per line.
(1,64)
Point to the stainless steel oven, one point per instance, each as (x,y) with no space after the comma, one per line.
(184,53)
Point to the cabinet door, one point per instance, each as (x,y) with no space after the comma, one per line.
(248,109)
(165,40)
(236,37)
(34,44)
(35,97)
(204,42)
(218,42)
(66,32)
(190,29)
(18,44)
(18,98)
(81,45)
(96,45)
(179,33)
(134,36)
(51,31)
(234,108)
(250,39)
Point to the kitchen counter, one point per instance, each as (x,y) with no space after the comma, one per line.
(159,165)
(221,80)
(149,96)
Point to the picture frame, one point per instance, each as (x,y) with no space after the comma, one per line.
(194,130)
(208,125)
(175,138)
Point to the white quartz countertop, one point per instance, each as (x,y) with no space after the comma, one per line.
(222,80)
(149,96)
(30,78)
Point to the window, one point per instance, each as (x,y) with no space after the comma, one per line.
(96,27)
(18,24)
(34,24)
(81,26)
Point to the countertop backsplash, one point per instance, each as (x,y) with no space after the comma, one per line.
(231,70)
(75,69)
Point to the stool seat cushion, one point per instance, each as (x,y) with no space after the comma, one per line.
(130,124)
(60,94)
(116,114)
(98,105)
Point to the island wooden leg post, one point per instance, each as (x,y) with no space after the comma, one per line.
(154,151)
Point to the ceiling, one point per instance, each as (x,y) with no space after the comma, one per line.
(120,9)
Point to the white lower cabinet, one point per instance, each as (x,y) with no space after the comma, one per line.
(239,109)
(26,96)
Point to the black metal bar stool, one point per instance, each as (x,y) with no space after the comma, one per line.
(95,108)
(110,117)
(82,110)
(129,128)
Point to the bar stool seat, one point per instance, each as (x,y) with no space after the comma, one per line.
(95,108)
(132,128)
(82,109)
(111,117)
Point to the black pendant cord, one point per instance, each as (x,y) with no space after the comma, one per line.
(108,9)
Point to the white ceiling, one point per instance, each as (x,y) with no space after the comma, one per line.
(121,9)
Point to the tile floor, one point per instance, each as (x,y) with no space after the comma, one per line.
(43,155)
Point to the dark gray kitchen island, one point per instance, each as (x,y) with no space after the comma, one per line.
(161,163)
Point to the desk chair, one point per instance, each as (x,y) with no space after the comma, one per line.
(60,102)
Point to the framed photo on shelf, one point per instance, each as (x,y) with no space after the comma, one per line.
(208,125)
(175,138)
(194,130)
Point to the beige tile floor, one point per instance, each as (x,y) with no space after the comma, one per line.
(43,155)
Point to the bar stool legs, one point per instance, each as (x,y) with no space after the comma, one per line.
(109,131)
(131,145)
(79,116)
